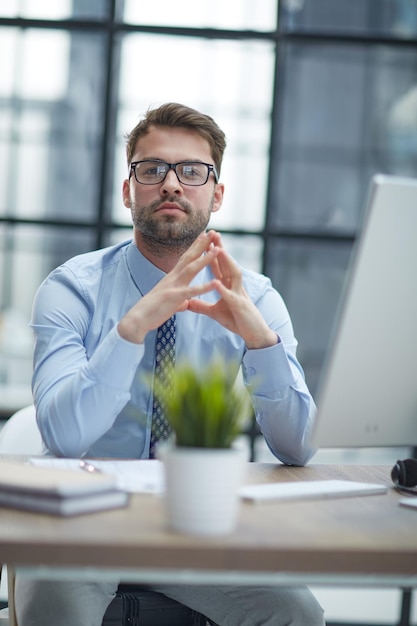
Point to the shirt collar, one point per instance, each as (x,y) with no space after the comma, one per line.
(145,274)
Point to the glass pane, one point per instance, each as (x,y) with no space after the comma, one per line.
(27,255)
(52,100)
(393,104)
(54,9)
(245,249)
(213,76)
(347,112)
(309,276)
(311,196)
(37,63)
(235,14)
(118,235)
(397,18)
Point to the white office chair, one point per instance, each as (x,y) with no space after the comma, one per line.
(20,435)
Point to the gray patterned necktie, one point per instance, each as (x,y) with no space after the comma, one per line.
(164,362)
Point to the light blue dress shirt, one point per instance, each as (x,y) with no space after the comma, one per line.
(88,381)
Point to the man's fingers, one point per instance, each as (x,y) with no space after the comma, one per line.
(215,238)
(199,306)
(200,245)
(198,290)
(229,272)
(215,268)
(188,268)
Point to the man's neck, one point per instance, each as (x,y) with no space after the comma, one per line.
(164,257)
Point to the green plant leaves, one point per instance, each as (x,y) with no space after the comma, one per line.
(203,407)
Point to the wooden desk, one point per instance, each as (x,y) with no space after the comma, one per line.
(367,539)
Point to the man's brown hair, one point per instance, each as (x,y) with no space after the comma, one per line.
(177,115)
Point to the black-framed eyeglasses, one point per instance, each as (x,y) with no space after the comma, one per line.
(152,172)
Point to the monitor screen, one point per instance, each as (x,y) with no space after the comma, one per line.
(367,394)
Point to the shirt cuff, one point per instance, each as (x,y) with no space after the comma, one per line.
(260,368)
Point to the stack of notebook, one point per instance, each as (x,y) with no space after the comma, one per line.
(57,491)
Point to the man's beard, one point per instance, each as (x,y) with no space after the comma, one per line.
(163,233)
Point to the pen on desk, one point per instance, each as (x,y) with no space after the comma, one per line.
(88,467)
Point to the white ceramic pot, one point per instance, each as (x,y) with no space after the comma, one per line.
(201,488)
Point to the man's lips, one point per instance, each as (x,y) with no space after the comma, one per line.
(170,207)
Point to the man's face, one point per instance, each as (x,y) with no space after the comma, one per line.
(171,213)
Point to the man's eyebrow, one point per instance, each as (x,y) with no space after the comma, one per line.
(154,158)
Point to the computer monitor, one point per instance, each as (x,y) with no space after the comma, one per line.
(367,395)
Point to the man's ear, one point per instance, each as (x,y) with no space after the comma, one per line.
(126,194)
(217,197)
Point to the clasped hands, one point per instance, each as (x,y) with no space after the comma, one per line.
(175,293)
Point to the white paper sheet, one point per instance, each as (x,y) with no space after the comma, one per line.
(134,476)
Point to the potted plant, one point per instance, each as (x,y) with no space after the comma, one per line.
(203,467)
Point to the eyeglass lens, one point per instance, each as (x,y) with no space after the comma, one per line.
(189,173)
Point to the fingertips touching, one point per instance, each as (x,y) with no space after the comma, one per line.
(216,238)
(214,250)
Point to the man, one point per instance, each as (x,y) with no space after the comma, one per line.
(95,319)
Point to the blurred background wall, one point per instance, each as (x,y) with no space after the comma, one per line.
(315,96)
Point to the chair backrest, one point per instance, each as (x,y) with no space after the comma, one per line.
(20,434)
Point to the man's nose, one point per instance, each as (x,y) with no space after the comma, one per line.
(171,184)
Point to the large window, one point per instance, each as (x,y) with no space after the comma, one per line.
(315,96)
